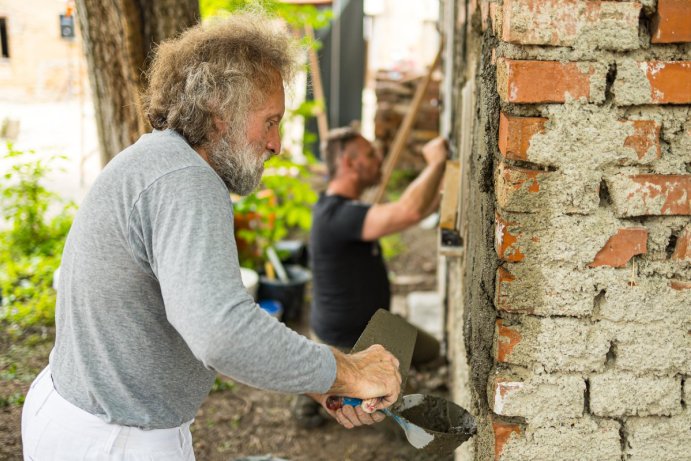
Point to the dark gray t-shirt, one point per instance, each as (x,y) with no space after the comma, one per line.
(350,280)
(150,299)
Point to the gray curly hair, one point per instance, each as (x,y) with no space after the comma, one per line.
(221,68)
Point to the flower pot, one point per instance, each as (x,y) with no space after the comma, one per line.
(290,294)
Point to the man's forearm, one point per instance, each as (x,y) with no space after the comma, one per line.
(423,192)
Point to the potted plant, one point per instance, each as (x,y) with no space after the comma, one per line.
(281,206)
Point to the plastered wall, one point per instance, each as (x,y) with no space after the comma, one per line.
(570,302)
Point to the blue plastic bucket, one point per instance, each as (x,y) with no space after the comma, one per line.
(273,307)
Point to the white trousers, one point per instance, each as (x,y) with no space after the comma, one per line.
(54,429)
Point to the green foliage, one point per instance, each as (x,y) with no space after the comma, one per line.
(221,384)
(16,398)
(294,15)
(30,249)
(282,204)
(391,246)
(400,179)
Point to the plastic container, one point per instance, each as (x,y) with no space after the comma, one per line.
(273,307)
(250,279)
(290,294)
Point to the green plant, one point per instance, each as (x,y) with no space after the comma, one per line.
(16,398)
(392,246)
(297,16)
(282,204)
(31,246)
(222,384)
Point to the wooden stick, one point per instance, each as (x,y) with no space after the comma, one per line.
(322,120)
(404,130)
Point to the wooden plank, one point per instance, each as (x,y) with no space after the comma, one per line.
(403,132)
(317,86)
(450,195)
(454,252)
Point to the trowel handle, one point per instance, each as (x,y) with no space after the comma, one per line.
(334,403)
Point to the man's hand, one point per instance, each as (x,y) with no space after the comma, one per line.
(435,151)
(349,416)
(367,375)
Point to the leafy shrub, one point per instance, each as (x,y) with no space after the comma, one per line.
(31,246)
(282,204)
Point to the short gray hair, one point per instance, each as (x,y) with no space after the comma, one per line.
(221,68)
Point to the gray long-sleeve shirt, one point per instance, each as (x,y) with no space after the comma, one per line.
(150,299)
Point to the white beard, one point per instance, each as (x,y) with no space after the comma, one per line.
(239,164)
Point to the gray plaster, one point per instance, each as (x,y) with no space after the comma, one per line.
(619,393)
(611,31)
(583,439)
(660,230)
(678,52)
(648,299)
(569,240)
(557,344)
(560,192)
(584,136)
(670,269)
(548,290)
(660,348)
(540,398)
(632,85)
(659,439)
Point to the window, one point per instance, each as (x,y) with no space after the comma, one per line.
(3,38)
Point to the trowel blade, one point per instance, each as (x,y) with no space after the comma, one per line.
(395,334)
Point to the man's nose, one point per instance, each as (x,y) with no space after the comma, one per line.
(273,144)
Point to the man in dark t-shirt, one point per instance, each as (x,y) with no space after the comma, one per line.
(349,276)
(350,280)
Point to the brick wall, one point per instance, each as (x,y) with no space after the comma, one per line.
(588,159)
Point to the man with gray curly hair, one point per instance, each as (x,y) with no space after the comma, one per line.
(150,299)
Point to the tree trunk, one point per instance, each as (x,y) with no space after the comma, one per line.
(118,36)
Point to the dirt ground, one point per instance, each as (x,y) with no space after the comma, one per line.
(240,421)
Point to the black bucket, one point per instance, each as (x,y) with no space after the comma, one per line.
(291,294)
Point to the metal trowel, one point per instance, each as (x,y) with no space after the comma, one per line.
(432,424)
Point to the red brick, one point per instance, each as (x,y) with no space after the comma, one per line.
(543,81)
(650,194)
(504,241)
(670,82)
(680,285)
(502,301)
(682,250)
(646,134)
(672,22)
(516,187)
(502,433)
(564,22)
(621,247)
(515,134)
(507,338)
